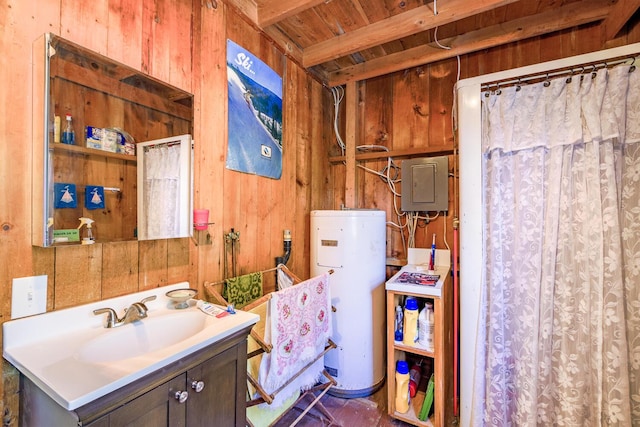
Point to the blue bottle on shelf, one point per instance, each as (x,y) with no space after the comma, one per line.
(68,135)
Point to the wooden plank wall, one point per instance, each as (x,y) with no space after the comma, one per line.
(413,108)
(182,42)
(406,109)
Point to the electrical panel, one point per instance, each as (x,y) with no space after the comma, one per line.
(425,184)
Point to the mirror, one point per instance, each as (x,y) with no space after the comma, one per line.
(113,108)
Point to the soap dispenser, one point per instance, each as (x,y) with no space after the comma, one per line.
(88,238)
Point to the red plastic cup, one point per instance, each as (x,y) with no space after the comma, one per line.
(201,219)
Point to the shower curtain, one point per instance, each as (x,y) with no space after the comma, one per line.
(161,186)
(560,316)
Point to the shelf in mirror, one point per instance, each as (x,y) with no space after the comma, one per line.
(91,151)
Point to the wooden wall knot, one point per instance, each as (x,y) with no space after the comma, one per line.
(6,226)
(418,110)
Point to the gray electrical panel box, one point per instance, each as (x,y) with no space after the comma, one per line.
(425,184)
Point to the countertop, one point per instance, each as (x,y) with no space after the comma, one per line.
(51,349)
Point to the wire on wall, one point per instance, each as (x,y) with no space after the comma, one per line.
(338,96)
(390,173)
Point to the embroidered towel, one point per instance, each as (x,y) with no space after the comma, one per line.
(298,328)
(93,197)
(242,290)
(64,195)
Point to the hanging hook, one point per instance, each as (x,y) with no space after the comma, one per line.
(632,67)
(498,90)
(593,72)
(546,81)
(570,77)
(518,85)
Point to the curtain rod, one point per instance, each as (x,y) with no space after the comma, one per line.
(582,69)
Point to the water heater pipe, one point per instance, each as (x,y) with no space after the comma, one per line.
(287,249)
(456,319)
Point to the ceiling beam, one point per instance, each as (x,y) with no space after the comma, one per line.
(285,43)
(550,21)
(273,34)
(273,11)
(247,7)
(620,13)
(396,27)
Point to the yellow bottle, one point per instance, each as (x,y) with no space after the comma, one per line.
(410,322)
(402,386)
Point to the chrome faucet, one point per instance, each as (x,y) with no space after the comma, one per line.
(135,312)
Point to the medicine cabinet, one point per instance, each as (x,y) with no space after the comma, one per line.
(96,177)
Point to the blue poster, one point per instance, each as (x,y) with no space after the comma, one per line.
(255,115)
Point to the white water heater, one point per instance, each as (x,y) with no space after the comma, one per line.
(353,244)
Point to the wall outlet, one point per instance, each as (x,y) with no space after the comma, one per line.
(28,296)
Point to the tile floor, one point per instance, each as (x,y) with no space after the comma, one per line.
(368,411)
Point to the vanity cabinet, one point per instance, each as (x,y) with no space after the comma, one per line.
(154,400)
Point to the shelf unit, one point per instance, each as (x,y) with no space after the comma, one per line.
(442,297)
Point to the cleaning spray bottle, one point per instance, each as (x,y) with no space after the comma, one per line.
(88,238)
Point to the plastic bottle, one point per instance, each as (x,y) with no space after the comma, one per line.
(56,129)
(426,327)
(410,322)
(398,326)
(88,238)
(414,379)
(68,135)
(402,386)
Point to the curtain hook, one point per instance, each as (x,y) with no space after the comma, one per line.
(546,81)
(518,85)
(498,90)
(570,77)
(632,67)
(593,72)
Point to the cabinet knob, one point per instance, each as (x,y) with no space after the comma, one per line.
(181,396)
(198,386)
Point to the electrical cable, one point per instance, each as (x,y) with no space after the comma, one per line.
(338,96)
(435,38)
(444,233)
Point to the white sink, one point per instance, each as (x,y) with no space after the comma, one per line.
(142,337)
(73,358)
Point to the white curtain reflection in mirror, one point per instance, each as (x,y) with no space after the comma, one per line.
(161,178)
(164,188)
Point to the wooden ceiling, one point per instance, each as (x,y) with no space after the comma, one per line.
(342,41)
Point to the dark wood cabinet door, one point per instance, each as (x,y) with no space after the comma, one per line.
(157,408)
(221,402)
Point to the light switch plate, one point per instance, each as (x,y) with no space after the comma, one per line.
(28,296)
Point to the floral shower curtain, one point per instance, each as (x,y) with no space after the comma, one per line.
(560,316)
(161,186)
